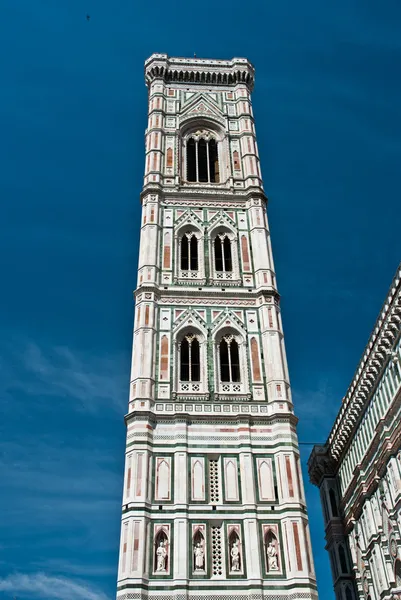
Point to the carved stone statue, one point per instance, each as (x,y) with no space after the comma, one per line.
(235,556)
(272,561)
(161,554)
(199,557)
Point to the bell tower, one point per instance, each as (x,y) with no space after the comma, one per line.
(213,501)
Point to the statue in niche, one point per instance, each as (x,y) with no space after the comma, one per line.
(199,557)
(161,555)
(272,560)
(235,556)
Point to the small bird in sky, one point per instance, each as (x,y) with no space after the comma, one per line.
(88,17)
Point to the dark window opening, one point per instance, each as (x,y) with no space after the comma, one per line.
(195,361)
(184,371)
(202,160)
(189,252)
(218,254)
(229,361)
(343,561)
(191,160)
(213,162)
(333,503)
(184,253)
(194,253)
(190,360)
(224,363)
(235,375)
(222,254)
(227,255)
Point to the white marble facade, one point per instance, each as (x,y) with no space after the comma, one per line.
(358,470)
(213,501)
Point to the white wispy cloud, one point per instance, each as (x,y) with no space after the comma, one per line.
(52,588)
(89,382)
(55,565)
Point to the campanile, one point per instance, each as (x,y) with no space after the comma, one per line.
(213,502)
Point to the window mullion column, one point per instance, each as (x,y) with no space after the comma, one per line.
(189,361)
(189,254)
(223,258)
(229,361)
(207,160)
(196,161)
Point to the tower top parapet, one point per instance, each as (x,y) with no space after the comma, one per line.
(199,70)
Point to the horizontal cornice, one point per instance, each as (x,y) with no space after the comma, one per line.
(199,71)
(217,193)
(377,354)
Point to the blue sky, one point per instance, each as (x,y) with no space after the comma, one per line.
(72,119)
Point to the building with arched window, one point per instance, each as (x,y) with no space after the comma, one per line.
(213,501)
(358,470)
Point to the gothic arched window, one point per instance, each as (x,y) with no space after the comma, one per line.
(190,359)
(229,360)
(202,159)
(189,252)
(222,253)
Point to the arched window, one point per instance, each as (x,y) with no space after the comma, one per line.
(229,360)
(189,252)
(190,359)
(222,253)
(202,159)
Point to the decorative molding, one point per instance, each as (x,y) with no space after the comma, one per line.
(374,359)
(199,71)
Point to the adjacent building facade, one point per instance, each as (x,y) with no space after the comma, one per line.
(213,501)
(358,470)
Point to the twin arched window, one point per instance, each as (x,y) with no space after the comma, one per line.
(189,252)
(222,253)
(229,359)
(202,159)
(190,359)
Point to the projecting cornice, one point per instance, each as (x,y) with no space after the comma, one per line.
(199,71)
(378,352)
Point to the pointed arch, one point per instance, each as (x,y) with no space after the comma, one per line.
(162,479)
(231,479)
(198,480)
(199,550)
(265,479)
(234,543)
(161,564)
(272,554)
